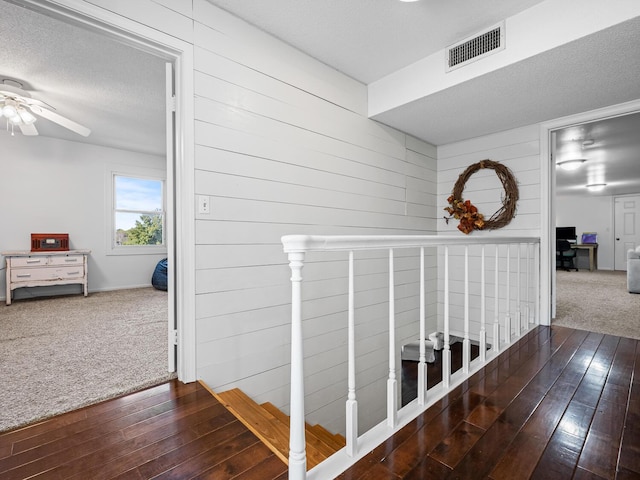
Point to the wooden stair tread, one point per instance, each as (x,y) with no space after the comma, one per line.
(315,432)
(271,426)
(334,440)
(264,425)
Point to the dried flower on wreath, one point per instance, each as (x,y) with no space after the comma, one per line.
(467,213)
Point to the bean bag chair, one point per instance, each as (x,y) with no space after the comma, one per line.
(159,277)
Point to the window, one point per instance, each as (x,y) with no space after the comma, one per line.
(138,222)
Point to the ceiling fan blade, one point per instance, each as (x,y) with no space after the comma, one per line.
(60,120)
(29,129)
(37,103)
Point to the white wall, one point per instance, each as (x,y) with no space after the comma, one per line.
(283,147)
(518,149)
(57,186)
(589,213)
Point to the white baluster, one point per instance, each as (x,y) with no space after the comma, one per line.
(518,321)
(507,319)
(297,452)
(527,305)
(466,344)
(483,309)
(536,283)
(352,404)
(392,384)
(496,305)
(422,365)
(446,352)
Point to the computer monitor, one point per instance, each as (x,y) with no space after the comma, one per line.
(566,233)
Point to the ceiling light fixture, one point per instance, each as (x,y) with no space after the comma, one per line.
(596,187)
(571,164)
(18,108)
(588,142)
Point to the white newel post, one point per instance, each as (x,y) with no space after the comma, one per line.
(392,383)
(352,404)
(297,452)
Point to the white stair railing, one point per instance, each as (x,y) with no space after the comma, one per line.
(525,315)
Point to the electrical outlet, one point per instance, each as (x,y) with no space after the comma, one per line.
(204,204)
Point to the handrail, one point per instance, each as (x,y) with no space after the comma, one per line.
(296,246)
(325,243)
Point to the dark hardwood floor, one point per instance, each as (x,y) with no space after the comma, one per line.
(560,404)
(169,431)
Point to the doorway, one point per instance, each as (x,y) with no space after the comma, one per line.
(627,228)
(179,54)
(550,189)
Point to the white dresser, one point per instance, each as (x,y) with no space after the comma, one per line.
(37,269)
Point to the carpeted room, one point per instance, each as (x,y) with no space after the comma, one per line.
(61,353)
(597,301)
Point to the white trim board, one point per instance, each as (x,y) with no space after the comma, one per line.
(179,52)
(548,192)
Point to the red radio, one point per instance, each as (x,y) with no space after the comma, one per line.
(42,242)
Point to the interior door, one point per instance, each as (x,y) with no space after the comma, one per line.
(170,220)
(627,228)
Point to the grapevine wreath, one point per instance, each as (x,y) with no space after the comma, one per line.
(467,213)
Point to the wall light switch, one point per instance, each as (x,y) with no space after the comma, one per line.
(204,204)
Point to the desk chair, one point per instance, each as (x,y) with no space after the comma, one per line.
(565,254)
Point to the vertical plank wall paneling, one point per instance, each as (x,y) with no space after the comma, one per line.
(519,150)
(283,146)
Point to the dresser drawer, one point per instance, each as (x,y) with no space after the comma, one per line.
(29,261)
(66,260)
(51,273)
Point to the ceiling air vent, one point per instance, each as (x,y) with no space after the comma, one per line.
(476,47)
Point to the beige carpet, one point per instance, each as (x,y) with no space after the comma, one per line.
(599,302)
(60,353)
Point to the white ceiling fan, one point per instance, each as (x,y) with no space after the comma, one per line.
(18,107)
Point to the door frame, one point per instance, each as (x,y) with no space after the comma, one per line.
(180,53)
(548,195)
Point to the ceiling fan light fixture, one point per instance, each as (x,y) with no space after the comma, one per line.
(15,120)
(9,110)
(596,187)
(571,164)
(26,116)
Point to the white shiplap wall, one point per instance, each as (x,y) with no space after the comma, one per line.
(283,147)
(518,149)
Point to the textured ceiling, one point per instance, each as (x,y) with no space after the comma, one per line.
(596,71)
(113,89)
(613,156)
(118,91)
(368,39)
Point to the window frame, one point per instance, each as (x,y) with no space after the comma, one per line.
(141,174)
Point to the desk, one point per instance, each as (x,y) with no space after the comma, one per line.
(35,269)
(593,253)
